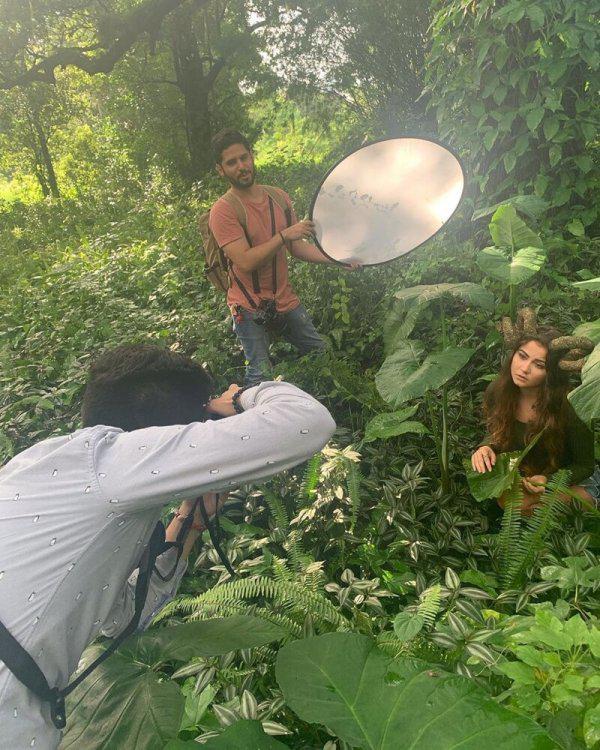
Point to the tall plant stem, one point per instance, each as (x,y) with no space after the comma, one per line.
(444,458)
(444,447)
(434,426)
(512,302)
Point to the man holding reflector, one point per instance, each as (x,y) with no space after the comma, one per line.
(254,227)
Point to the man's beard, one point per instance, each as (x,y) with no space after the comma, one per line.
(243,184)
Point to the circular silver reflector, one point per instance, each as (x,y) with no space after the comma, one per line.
(386,199)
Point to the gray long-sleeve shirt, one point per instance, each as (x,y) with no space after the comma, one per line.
(76,512)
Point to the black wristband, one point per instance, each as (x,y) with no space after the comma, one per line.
(235,400)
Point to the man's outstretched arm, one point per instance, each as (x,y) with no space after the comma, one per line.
(280,427)
(307,251)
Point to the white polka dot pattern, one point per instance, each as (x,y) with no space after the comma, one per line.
(138,471)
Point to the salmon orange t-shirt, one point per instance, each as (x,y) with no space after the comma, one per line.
(226,228)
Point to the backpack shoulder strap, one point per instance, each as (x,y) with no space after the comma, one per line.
(231,198)
(240,212)
(279,196)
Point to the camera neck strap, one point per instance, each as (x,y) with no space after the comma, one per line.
(26,670)
(214,531)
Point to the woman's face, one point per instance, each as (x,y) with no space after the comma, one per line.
(528,365)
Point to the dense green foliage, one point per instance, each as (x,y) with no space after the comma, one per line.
(431,614)
(524,77)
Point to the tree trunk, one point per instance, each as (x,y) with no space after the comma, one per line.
(44,153)
(41,178)
(195,86)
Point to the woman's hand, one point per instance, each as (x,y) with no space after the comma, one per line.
(535,484)
(223,405)
(483,459)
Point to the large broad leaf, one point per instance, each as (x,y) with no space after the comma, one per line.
(591,330)
(530,205)
(591,284)
(502,476)
(412,301)
(125,703)
(244,735)
(402,376)
(493,483)
(122,704)
(498,264)
(207,637)
(392,424)
(343,681)
(508,230)
(585,399)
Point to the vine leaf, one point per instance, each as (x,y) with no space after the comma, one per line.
(342,680)
(125,702)
(407,625)
(509,230)
(122,704)
(531,205)
(410,303)
(591,284)
(245,733)
(503,475)
(591,330)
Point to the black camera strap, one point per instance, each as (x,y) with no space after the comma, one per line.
(27,671)
(214,531)
(243,289)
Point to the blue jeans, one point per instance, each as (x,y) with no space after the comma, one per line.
(294,326)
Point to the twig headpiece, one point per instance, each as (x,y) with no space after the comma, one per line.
(575,348)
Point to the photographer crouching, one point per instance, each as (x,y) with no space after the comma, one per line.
(81,552)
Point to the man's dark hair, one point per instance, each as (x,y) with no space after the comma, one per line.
(224,139)
(143,385)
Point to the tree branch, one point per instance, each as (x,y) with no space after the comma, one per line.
(214,72)
(145,18)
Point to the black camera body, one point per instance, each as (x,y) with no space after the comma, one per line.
(266,313)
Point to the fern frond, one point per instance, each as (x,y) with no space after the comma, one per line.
(510,532)
(390,645)
(311,478)
(527,543)
(429,604)
(228,609)
(286,592)
(281,572)
(277,508)
(295,552)
(541,523)
(314,580)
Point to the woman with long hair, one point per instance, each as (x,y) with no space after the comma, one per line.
(528,396)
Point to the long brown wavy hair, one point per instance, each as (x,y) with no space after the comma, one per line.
(500,407)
